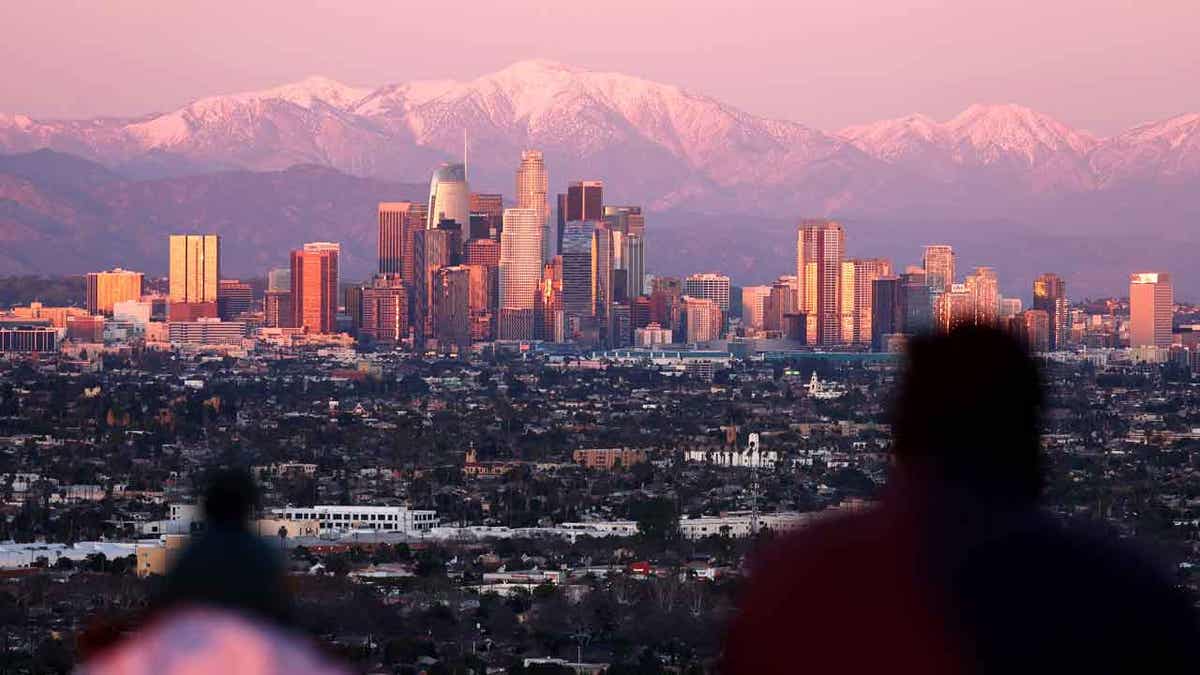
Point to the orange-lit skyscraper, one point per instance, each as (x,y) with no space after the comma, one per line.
(1151,304)
(985,296)
(195,268)
(314,289)
(939,267)
(104,289)
(820,247)
(397,221)
(857,278)
(1050,296)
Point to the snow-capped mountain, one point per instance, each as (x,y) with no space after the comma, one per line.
(655,143)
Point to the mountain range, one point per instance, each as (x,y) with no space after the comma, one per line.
(990,173)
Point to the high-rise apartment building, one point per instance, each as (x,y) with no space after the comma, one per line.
(820,248)
(449,196)
(709,285)
(1034,330)
(520,271)
(857,278)
(704,319)
(754,301)
(666,296)
(314,289)
(277,307)
(195,268)
(1050,296)
(105,289)
(939,267)
(383,311)
(780,303)
(1151,306)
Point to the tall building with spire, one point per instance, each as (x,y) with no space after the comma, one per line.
(820,248)
(1151,305)
(449,196)
(1050,296)
(520,272)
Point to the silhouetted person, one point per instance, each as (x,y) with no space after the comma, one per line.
(957,569)
(223,608)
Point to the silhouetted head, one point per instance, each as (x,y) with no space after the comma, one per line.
(967,415)
(230,499)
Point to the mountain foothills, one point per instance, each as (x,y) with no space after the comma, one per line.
(995,174)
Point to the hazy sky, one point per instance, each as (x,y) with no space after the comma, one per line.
(1098,64)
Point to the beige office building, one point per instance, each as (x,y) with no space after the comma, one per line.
(105,289)
(1151,304)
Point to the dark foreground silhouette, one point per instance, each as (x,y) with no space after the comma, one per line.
(958,570)
(224,607)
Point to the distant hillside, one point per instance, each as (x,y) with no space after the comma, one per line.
(60,214)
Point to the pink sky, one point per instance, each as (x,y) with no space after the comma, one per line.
(1101,65)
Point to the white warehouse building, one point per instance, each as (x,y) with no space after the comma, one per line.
(346,518)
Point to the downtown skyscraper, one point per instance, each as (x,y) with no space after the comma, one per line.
(397,222)
(533,184)
(1050,296)
(449,196)
(584,200)
(820,248)
(314,289)
(520,272)
(938,262)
